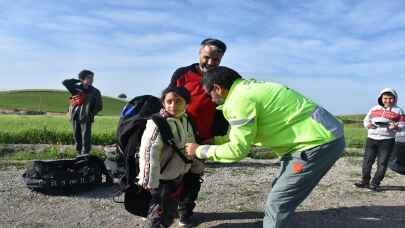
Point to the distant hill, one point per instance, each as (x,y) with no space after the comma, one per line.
(50,101)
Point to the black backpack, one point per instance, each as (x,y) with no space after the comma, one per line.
(64,176)
(130,129)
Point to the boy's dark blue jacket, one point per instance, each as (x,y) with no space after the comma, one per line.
(92,104)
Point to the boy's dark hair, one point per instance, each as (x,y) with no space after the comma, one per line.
(222,76)
(388,94)
(85,73)
(181,91)
(215,42)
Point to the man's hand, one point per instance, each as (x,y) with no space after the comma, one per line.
(191,149)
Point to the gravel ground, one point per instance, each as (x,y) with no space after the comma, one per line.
(232,196)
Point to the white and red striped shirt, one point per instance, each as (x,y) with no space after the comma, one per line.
(389,115)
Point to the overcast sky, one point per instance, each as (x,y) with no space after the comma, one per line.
(339,53)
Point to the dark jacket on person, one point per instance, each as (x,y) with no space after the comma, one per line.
(91,105)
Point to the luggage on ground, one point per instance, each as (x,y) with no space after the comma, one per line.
(65,175)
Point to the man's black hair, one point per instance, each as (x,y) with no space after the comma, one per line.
(181,91)
(85,73)
(215,42)
(222,76)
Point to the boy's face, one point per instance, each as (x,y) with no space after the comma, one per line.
(388,100)
(88,80)
(174,104)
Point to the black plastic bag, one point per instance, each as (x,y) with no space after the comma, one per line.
(137,200)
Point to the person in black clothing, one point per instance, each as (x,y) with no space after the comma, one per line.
(85,103)
(209,122)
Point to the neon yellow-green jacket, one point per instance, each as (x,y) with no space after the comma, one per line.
(272,116)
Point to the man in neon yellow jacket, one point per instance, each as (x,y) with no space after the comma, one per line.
(307,137)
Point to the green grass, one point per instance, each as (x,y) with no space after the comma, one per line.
(49,153)
(16,129)
(349,119)
(355,137)
(50,101)
(355,133)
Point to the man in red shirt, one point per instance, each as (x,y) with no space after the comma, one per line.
(207,120)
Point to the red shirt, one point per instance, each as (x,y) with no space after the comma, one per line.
(200,109)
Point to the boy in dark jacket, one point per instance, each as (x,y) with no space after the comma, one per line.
(85,103)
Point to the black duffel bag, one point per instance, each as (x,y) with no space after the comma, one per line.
(65,175)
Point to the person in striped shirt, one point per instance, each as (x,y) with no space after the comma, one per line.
(382,124)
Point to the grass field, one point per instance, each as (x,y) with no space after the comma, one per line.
(50,101)
(352,119)
(52,129)
(57,130)
(355,133)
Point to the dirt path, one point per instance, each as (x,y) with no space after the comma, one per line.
(232,196)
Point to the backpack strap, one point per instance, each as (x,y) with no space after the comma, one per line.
(167,137)
(195,132)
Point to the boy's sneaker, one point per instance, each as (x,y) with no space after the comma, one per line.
(185,221)
(361,184)
(375,188)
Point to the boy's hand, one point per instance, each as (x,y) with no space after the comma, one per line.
(145,186)
(191,149)
(371,126)
(393,126)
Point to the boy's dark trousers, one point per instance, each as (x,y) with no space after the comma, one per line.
(380,149)
(82,136)
(192,185)
(164,202)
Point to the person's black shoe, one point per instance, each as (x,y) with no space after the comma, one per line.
(361,184)
(375,188)
(185,221)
